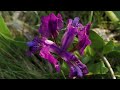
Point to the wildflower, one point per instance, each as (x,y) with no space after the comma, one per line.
(50,26)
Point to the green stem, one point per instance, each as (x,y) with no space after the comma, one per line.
(63,74)
(91,17)
(108,65)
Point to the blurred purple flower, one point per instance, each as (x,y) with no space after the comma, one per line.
(50,26)
(83,37)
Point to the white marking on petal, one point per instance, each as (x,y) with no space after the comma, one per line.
(49,42)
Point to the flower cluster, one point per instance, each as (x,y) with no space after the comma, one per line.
(45,45)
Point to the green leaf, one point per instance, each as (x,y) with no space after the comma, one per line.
(112,16)
(4,29)
(89,51)
(108,47)
(117,13)
(117,46)
(98,68)
(65,68)
(85,59)
(97,41)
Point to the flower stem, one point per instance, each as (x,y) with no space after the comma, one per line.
(91,16)
(109,66)
(63,74)
(74,48)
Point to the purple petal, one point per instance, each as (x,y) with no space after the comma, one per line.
(79,72)
(44,29)
(45,53)
(31,43)
(53,25)
(59,22)
(75,21)
(77,68)
(73,72)
(50,25)
(88,28)
(34,45)
(68,37)
(84,40)
(69,23)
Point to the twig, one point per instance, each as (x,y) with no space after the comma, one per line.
(109,66)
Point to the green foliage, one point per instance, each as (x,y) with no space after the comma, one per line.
(98,68)
(112,16)
(65,68)
(114,54)
(108,47)
(3,28)
(97,42)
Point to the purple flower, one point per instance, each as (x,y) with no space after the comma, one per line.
(83,37)
(46,48)
(50,26)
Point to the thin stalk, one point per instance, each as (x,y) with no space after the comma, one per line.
(109,66)
(63,74)
(74,48)
(91,17)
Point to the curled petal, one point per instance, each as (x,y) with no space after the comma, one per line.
(45,53)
